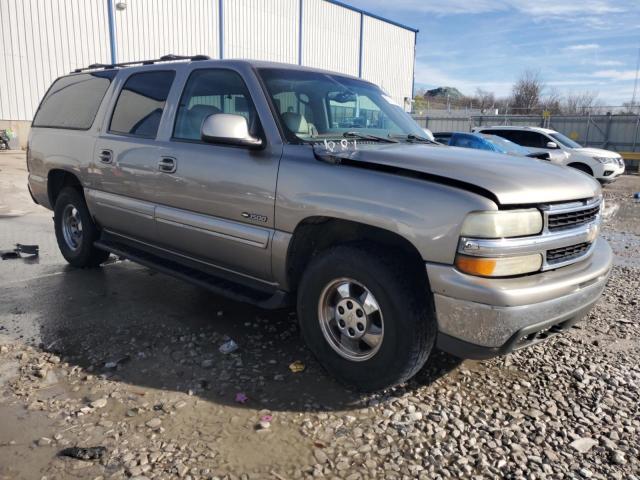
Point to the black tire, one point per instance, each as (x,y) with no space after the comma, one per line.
(85,255)
(582,167)
(406,304)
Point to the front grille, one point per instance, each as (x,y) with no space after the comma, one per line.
(559,255)
(560,221)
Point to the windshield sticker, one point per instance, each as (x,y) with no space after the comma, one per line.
(343,145)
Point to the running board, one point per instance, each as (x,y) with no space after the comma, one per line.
(220,286)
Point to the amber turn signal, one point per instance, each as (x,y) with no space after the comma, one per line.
(500,266)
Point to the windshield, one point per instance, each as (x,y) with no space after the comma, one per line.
(506,146)
(315,106)
(566,141)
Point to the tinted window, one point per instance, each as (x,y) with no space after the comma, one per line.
(521,137)
(140,104)
(73,101)
(512,135)
(208,92)
(533,139)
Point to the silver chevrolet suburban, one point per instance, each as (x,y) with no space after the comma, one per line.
(277,184)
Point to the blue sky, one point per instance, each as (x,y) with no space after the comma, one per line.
(575,45)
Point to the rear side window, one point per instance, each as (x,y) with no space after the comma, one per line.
(512,135)
(521,137)
(139,107)
(72,102)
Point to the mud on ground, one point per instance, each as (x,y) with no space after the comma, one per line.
(127,359)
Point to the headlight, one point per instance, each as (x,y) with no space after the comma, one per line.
(605,159)
(502,223)
(500,266)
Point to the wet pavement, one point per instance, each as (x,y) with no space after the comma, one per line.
(149,345)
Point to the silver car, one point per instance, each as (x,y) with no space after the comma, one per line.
(281,185)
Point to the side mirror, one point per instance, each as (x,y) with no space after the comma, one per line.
(228,129)
(551,145)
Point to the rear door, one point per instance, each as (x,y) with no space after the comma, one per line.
(126,157)
(218,205)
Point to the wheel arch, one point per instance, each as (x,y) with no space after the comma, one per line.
(316,234)
(583,167)
(59,178)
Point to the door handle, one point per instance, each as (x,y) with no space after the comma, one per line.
(167,165)
(106,156)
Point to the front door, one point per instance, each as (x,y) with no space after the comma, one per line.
(127,157)
(217,206)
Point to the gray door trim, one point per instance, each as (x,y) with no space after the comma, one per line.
(239,232)
(119,202)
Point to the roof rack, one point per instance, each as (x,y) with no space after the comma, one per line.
(165,58)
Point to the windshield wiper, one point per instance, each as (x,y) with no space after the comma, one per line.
(367,136)
(414,138)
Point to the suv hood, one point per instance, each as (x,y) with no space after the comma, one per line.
(597,152)
(511,180)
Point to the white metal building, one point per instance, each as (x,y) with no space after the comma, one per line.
(43,39)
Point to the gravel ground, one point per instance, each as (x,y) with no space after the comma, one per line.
(155,390)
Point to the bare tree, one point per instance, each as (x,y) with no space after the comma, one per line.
(484,100)
(527,92)
(551,101)
(579,103)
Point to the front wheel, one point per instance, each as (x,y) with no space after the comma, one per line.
(76,231)
(367,316)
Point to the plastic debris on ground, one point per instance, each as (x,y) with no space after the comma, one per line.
(264,423)
(114,363)
(228,347)
(297,367)
(89,453)
(31,250)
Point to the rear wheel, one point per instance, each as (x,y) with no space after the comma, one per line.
(366,316)
(76,231)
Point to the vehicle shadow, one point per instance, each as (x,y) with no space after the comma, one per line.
(149,330)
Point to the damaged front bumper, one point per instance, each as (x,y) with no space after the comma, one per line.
(483,317)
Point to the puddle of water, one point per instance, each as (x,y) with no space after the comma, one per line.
(19,457)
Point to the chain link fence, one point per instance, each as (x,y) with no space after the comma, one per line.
(620,132)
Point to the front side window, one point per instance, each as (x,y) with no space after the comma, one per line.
(72,102)
(139,107)
(533,139)
(208,92)
(314,106)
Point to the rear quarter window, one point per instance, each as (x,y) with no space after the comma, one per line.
(72,102)
(141,102)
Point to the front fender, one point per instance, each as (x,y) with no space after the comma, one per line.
(427,214)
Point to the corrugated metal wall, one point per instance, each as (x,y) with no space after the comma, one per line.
(41,40)
(330,37)
(153,28)
(261,30)
(387,59)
